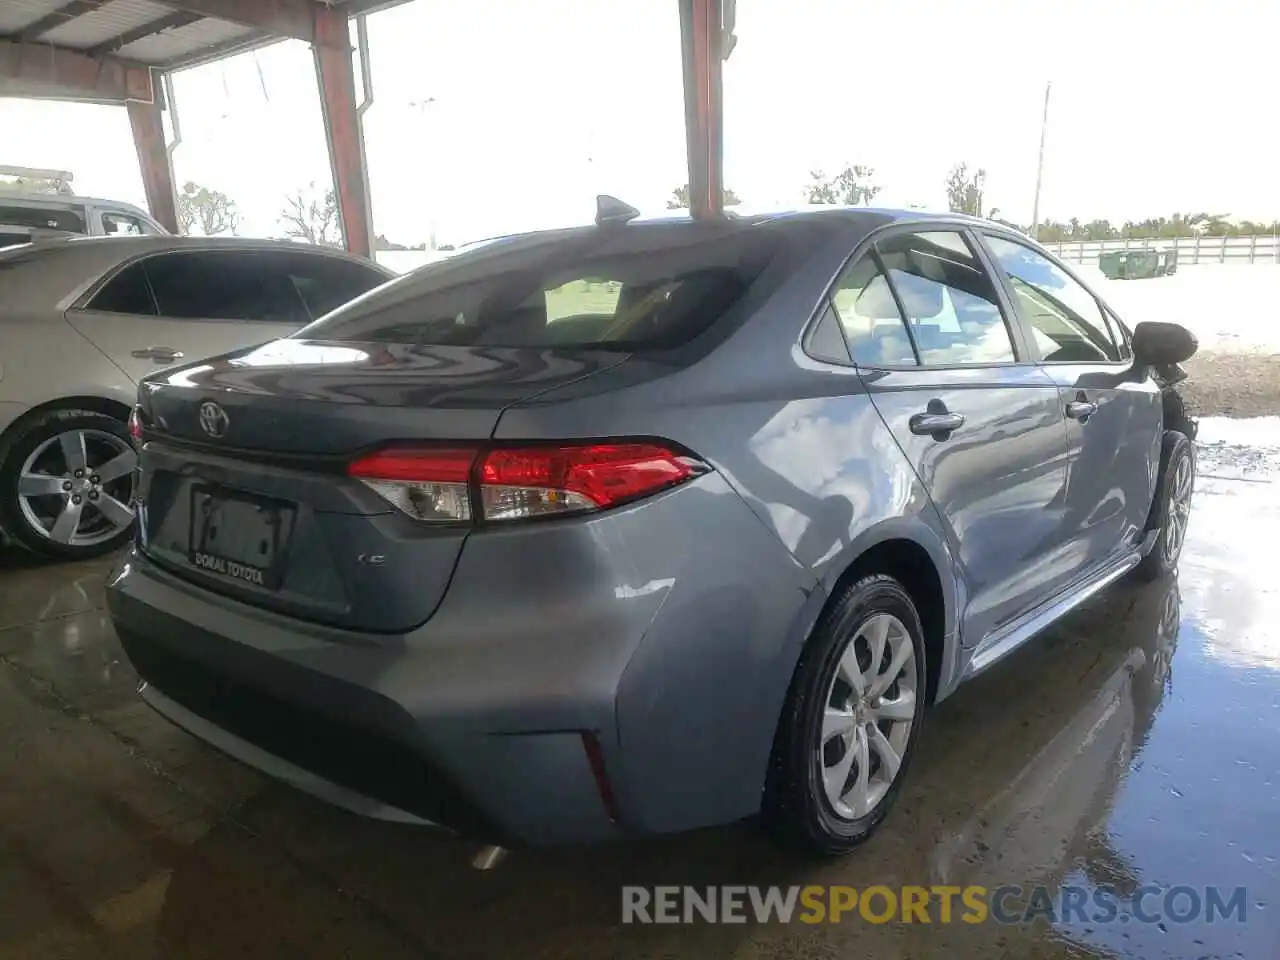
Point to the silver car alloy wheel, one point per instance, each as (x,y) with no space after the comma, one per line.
(74,487)
(1179,511)
(867,716)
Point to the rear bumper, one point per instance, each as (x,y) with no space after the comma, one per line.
(285,707)
(667,642)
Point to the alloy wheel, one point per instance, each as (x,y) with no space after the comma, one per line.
(1179,511)
(867,717)
(74,488)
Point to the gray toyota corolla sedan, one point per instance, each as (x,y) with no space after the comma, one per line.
(647,525)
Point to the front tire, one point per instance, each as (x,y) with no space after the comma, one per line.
(1172,508)
(851,722)
(65,483)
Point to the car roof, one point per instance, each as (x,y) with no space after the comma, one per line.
(61,199)
(744,216)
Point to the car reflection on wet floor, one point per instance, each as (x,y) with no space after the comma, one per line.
(1133,744)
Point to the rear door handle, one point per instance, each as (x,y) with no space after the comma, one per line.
(158,354)
(938,425)
(1081,410)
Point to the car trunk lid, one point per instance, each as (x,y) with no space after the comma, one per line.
(243,486)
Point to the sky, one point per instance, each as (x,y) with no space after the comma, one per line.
(499,115)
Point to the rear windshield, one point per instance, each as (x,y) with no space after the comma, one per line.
(636,287)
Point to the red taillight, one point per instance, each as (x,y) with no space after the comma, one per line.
(135,424)
(516,483)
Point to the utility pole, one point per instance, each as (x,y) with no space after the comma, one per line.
(1044,125)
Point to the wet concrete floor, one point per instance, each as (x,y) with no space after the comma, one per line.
(1137,743)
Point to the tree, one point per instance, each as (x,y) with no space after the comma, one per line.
(211,211)
(1152,228)
(679,199)
(964,190)
(310,216)
(851,186)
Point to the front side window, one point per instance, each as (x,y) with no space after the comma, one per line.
(1118,334)
(949,299)
(121,225)
(1066,320)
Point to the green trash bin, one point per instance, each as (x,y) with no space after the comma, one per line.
(1140,264)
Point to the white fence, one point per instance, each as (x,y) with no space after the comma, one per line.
(1192,251)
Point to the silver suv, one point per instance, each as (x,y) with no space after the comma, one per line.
(25,216)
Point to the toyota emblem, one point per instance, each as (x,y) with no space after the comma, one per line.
(214,420)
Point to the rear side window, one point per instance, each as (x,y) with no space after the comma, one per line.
(924,297)
(126,292)
(325,283)
(870,317)
(636,288)
(225,285)
(1066,320)
(949,298)
(47,218)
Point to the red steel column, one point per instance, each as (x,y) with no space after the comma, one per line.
(147,122)
(700,41)
(336,76)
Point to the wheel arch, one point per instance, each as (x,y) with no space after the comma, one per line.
(95,403)
(917,557)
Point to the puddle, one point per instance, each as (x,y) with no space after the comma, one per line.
(1239,449)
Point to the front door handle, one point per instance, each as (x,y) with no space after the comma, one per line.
(1081,409)
(937,421)
(158,354)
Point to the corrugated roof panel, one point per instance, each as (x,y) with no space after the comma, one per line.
(109,20)
(16,14)
(184,41)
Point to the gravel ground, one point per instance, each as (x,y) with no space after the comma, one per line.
(1232,384)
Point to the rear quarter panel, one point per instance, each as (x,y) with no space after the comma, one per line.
(819,479)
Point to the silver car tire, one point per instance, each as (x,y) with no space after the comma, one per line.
(65,484)
(841,754)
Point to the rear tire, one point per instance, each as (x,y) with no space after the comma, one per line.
(30,509)
(1172,508)
(820,797)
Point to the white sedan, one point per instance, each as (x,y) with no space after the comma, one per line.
(83,319)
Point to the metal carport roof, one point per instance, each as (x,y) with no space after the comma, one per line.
(114,51)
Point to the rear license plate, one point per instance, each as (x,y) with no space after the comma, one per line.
(239,537)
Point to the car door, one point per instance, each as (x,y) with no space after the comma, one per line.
(981,424)
(180,306)
(1114,414)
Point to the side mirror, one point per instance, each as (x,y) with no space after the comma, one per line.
(1163,344)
